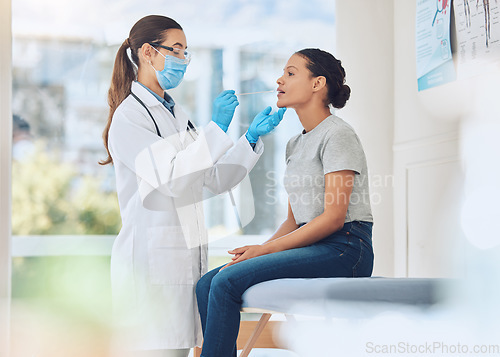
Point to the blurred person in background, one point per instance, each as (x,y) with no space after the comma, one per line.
(22,141)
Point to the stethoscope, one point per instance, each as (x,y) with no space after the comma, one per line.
(190,128)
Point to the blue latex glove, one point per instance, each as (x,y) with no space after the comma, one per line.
(263,124)
(223,109)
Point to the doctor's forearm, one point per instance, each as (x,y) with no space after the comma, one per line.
(232,167)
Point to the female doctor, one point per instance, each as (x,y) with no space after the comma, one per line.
(162,162)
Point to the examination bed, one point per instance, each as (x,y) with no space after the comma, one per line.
(318,297)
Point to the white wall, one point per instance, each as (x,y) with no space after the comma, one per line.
(414,136)
(366,48)
(5,158)
(427,168)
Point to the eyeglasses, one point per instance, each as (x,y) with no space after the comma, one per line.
(178,52)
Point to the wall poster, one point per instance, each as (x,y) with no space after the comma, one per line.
(433,50)
(478,34)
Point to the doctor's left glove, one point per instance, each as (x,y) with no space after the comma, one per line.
(223,109)
(263,124)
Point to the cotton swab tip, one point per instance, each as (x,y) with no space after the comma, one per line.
(266,91)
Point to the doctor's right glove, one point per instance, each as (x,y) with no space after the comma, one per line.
(223,109)
(263,124)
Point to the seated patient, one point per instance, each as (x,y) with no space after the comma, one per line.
(328,229)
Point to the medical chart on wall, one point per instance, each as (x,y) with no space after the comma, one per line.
(433,49)
(478,33)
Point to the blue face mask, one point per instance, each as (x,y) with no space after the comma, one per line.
(172,73)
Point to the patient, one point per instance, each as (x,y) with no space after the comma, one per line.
(327,232)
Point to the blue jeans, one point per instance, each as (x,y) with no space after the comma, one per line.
(346,253)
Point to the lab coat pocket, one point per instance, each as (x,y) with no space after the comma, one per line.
(170,261)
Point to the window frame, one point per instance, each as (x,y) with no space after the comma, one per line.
(5,171)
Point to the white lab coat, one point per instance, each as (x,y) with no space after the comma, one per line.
(161,250)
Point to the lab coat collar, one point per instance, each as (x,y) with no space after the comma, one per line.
(144,95)
(151,101)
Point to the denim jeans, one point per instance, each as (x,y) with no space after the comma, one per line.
(346,253)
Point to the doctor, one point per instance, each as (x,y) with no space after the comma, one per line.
(162,162)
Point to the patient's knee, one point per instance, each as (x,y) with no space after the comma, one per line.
(203,285)
(221,282)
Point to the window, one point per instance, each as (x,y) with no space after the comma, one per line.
(63,54)
(61,73)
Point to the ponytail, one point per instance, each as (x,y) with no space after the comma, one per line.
(121,81)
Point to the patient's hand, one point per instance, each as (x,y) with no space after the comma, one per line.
(244,253)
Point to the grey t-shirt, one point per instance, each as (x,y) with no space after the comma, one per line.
(331,146)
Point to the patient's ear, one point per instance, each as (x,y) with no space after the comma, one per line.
(319,83)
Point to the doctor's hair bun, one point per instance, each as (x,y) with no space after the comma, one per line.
(322,63)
